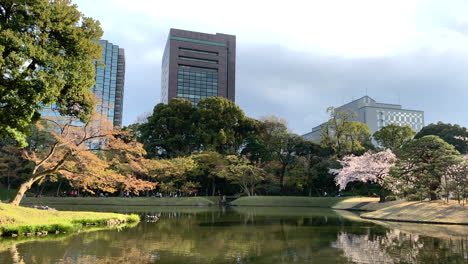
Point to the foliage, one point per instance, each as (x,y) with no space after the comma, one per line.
(60,147)
(455,180)
(242,172)
(170,131)
(179,129)
(452,134)
(172,175)
(47,49)
(343,135)
(221,125)
(209,164)
(421,164)
(370,167)
(393,136)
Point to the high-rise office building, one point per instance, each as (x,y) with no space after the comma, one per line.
(198,65)
(110,79)
(376,115)
(109,89)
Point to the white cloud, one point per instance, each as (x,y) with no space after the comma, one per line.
(296,58)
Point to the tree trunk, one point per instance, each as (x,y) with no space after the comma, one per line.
(58,189)
(382,198)
(213,188)
(21,190)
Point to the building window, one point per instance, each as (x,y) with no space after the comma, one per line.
(199,60)
(199,51)
(196,83)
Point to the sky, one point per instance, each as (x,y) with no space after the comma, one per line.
(296,58)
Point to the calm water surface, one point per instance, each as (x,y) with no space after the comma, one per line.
(246,235)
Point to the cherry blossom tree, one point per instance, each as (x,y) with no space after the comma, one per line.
(369,167)
(455,180)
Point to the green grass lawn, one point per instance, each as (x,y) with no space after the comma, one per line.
(19,220)
(119,201)
(288,201)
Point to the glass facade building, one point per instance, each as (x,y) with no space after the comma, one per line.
(198,65)
(109,89)
(110,78)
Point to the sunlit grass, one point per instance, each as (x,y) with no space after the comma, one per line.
(20,220)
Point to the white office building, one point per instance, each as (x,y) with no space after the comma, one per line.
(377,115)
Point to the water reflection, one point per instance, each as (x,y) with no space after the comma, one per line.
(240,235)
(398,247)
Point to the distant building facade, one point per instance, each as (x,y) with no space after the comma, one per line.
(198,65)
(376,115)
(110,80)
(109,88)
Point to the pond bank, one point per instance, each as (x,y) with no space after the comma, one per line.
(288,201)
(119,201)
(434,212)
(22,221)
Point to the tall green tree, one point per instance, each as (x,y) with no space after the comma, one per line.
(170,131)
(209,164)
(421,165)
(393,136)
(343,135)
(311,157)
(449,133)
(47,54)
(221,125)
(242,172)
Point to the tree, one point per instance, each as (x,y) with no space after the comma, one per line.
(421,164)
(12,166)
(170,131)
(452,134)
(242,172)
(47,54)
(370,167)
(273,147)
(455,180)
(173,172)
(209,164)
(60,147)
(221,125)
(311,157)
(343,135)
(393,136)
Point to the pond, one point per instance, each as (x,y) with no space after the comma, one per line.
(246,235)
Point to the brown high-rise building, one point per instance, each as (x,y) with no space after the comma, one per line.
(198,65)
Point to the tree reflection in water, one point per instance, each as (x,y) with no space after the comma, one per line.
(399,247)
(242,236)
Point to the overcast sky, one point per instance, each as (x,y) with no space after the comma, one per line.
(296,58)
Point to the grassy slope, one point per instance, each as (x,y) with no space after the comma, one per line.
(287,201)
(17,219)
(436,211)
(138,201)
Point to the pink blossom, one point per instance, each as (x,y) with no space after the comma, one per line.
(370,167)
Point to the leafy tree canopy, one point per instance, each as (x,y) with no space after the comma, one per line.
(47,54)
(448,133)
(343,135)
(393,136)
(421,164)
(169,131)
